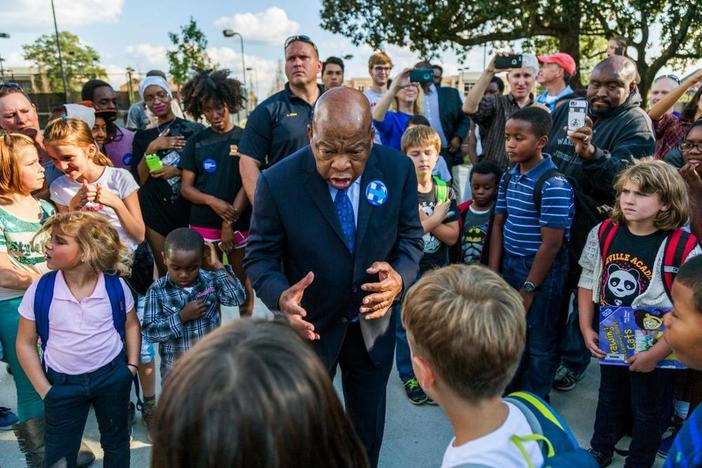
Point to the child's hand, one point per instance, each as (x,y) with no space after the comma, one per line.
(106,197)
(210,259)
(193,310)
(441,210)
(227,242)
(86,194)
(644,361)
(592,341)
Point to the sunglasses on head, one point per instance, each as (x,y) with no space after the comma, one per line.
(300,38)
(10,85)
(671,77)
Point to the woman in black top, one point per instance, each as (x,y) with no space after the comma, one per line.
(211,181)
(163,207)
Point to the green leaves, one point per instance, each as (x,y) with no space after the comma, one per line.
(80,62)
(188,56)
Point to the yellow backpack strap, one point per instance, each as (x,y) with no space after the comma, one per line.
(518,441)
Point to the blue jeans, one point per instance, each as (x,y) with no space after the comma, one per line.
(574,354)
(66,409)
(540,358)
(647,395)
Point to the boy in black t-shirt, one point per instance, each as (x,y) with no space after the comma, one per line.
(220,210)
(439,216)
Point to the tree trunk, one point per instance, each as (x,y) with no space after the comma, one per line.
(569,40)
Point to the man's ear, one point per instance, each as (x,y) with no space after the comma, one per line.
(310,132)
(543,141)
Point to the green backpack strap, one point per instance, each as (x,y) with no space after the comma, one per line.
(441,189)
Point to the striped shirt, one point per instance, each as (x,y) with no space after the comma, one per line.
(522,226)
(165,300)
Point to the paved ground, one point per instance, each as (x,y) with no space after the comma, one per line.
(414,436)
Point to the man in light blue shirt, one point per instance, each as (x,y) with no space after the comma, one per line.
(554,75)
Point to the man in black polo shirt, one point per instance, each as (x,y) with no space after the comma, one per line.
(278,125)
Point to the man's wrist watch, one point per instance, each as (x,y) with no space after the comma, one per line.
(529,287)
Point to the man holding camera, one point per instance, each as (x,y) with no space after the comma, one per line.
(443,110)
(491,113)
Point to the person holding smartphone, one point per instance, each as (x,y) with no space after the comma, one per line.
(220,211)
(491,113)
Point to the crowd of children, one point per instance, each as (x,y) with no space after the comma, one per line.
(483,320)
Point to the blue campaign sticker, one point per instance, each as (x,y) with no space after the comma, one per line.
(376,193)
(127,159)
(209,165)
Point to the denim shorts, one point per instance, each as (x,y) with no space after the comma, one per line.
(147,354)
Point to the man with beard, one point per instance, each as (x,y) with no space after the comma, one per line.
(617,131)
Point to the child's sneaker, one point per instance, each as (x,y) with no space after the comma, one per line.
(602,459)
(565,379)
(7,419)
(414,392)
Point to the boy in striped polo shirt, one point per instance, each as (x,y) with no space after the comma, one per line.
(528,244)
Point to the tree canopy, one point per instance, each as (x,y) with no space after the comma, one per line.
(660,31)
(80,62)
(189,53)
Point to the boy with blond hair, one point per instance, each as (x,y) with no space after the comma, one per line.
(438,214)
(466,329)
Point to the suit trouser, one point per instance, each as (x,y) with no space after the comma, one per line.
(364,385)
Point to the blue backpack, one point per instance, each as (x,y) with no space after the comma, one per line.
(44,294)
(558,444)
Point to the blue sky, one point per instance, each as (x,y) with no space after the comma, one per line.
(134,33)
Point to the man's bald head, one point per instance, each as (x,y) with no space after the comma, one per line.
(619,64)
(341,135)
(612,81)
(343,107)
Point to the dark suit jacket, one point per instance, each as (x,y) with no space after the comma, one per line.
(453,120)
(295,229)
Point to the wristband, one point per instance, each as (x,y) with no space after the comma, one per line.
(134,366)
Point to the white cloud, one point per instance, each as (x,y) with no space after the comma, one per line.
(35,15)
(148,55)
(271,26)
(261,76)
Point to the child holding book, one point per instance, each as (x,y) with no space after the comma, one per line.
(651,205)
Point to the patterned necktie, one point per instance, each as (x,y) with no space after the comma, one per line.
(344,210)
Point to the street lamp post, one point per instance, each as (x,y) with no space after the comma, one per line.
(58,47)
(2,71)
(130,70)
(232,33)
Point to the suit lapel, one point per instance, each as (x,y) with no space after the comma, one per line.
(318,191)
(370,173)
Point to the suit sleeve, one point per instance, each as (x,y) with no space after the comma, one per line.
(264,251)
(409,246)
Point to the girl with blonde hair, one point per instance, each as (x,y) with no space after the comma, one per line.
(85,361)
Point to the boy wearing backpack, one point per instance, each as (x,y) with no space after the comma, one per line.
(467,330)
(630,260)
(438,213)
(528,242)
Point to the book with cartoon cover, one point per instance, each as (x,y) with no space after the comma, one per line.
(625,331)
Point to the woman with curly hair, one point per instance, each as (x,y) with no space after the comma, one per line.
(220,211)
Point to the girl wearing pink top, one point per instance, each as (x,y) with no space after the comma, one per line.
(85,361)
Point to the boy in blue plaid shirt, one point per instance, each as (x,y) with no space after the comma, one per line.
(184,305)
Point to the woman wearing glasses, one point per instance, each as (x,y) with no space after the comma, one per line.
(669,128)
(393,112)
(691,149)
(163,207)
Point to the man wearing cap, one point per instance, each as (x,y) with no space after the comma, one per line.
(491,113)
(554,75)
(278,125)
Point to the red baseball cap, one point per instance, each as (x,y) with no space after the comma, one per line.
(561,58)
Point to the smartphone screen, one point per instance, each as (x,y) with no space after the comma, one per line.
(576,115)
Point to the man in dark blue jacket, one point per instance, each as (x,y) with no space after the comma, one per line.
(335,240)
(617,131)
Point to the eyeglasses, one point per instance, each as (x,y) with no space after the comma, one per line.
(685,146)
(300,38)
(162,96)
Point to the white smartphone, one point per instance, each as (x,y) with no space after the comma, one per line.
(576,115)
